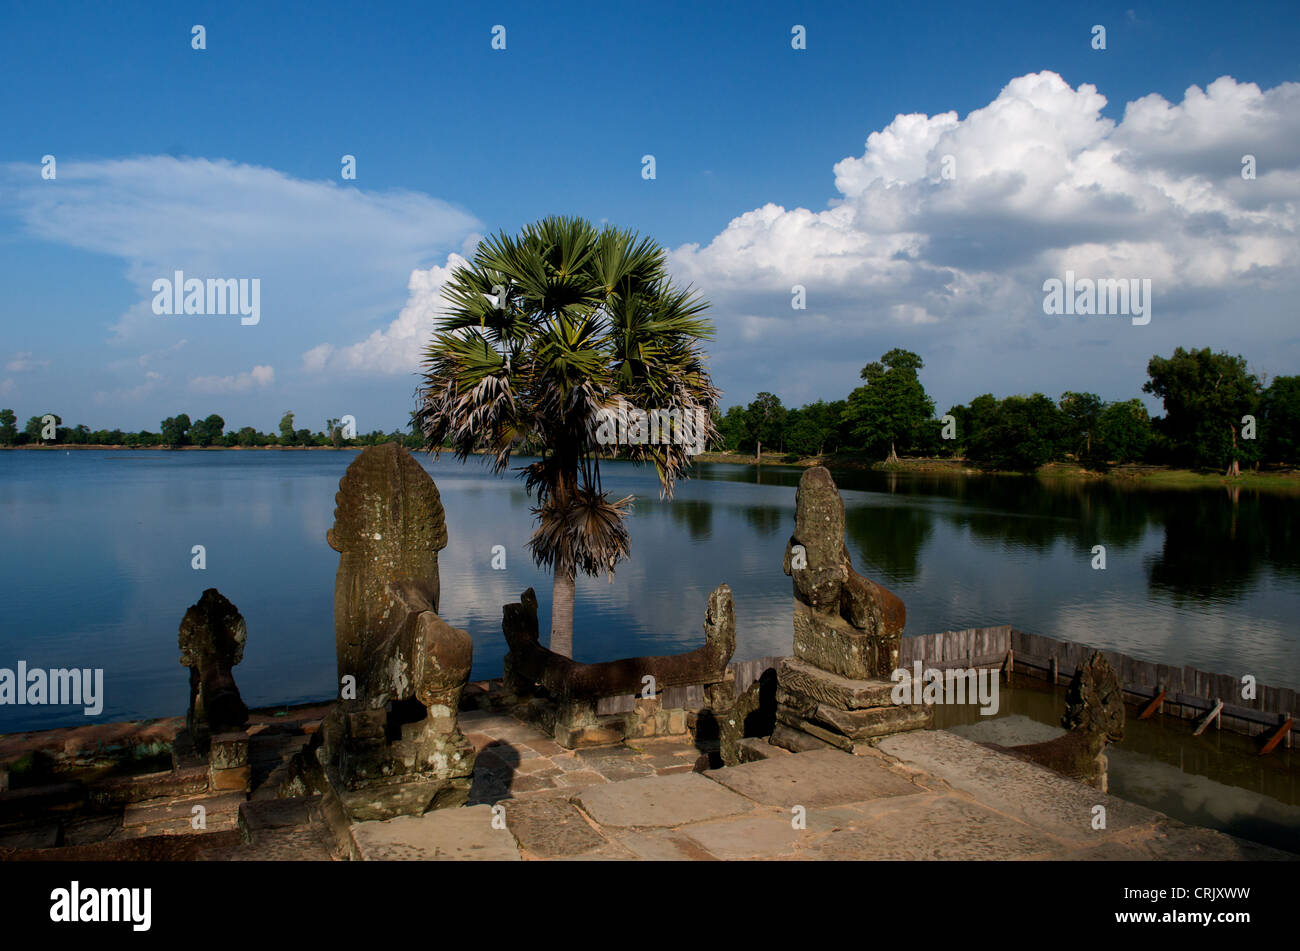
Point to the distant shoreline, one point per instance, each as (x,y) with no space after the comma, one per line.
(1283,480)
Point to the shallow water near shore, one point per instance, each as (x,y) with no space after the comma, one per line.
(97,551)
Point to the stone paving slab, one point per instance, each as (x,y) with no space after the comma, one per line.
(661,801)
(662,845)
(1017,788)
(858,815)
(813,779)
(948,829)
(552,828)
(515,759)
(749,837)
(464,834)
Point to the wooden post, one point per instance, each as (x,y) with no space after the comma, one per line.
(1009,667)
(1215,714)
(1053,671)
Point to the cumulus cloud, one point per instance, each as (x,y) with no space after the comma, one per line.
(256,378)
(396,348)
(944,229)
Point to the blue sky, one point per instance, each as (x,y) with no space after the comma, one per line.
(225,162)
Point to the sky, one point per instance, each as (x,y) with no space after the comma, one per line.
(919,170)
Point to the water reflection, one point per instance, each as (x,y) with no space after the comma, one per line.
(97,564)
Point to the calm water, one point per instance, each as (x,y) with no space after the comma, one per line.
(96,566)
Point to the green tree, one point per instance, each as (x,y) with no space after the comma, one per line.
(8,427)
(1205,395)
(1021,435)
(175,430)
(814,429)
(892,409)
(36,425)
(764,422)
(547,333)
(733,429)
(1279,422)
(207,432)
(1080,414)
(247,436)
(971,421)
(286,429)
(1124,431)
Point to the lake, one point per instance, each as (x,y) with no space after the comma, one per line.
(96,562)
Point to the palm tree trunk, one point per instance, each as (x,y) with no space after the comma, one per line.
(562,611)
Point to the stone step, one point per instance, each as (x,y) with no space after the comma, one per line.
(754,748)
(176,815)
(40,800)
(171,783)
(822,686)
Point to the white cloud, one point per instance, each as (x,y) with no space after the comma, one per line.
(23,363)
(256,378)
(398,347)
(331,259)
(153,380)
(953,266)
(318,247)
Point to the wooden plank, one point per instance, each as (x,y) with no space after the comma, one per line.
(1276,738)
(1215,714)
(1153,706)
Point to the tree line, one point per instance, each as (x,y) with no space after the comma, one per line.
(1217,415)
(178,431)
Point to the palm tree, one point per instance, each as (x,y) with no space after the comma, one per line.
(545,334)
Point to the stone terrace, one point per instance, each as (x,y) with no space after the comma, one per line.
(917,795)
(921,795)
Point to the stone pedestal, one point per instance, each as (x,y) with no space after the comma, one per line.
(816,709)
(378,778)
(228,767)
(837,691)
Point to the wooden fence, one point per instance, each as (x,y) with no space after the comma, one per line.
(1189,693)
